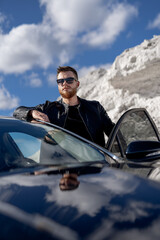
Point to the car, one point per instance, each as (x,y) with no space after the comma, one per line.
(55,184)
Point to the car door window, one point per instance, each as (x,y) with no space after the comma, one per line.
(135,124)
(28,145)
(55,147)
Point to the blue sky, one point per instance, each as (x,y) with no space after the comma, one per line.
(37,36)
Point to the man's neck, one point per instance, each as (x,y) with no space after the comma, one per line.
(71,101)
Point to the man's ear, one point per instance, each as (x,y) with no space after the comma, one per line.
(78,83)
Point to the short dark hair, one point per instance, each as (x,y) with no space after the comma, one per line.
(66,69)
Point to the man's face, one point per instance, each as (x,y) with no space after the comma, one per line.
(67,90)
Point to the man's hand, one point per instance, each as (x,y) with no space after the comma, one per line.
(39,115)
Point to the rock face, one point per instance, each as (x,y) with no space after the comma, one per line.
(132,81)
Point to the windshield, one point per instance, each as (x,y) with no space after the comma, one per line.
(38,144)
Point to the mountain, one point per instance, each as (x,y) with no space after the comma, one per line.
(132,81)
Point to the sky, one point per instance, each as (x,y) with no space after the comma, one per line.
(37,36)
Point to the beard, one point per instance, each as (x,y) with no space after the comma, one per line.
(68,94)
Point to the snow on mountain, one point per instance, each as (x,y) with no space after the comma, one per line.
(132,81)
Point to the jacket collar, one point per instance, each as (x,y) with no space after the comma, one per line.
(66,106)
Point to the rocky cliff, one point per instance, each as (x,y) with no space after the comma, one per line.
(132,81)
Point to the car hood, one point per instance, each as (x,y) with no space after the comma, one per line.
(106,205)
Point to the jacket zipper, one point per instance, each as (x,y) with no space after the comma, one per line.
(85,125)
(65,120)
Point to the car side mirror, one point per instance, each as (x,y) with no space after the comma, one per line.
(143,150)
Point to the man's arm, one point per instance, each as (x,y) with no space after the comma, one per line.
(22,113)
(106,121)
(30,113)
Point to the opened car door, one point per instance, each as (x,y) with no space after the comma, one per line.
(134,125)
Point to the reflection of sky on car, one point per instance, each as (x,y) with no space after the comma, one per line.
(37,222)
(112,198)
(28,144)
(107,228)
(102,189)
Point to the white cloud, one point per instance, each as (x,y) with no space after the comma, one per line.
(24,47)
(1,79)
(2,18)
(112,25)
(72,17)
(6,100)
(96,21)
(34,80)
(155,23)
(52,79)
(67,26)
(31,45)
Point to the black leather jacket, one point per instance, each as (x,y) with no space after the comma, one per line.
(92,113)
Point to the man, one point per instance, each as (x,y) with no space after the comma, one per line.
(83,117)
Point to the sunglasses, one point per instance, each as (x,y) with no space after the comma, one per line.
(69,80)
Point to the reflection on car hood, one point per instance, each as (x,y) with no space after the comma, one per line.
(105,205)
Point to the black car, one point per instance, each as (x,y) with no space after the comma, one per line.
(57,185)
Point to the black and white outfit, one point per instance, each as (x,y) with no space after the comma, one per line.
(87,119)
